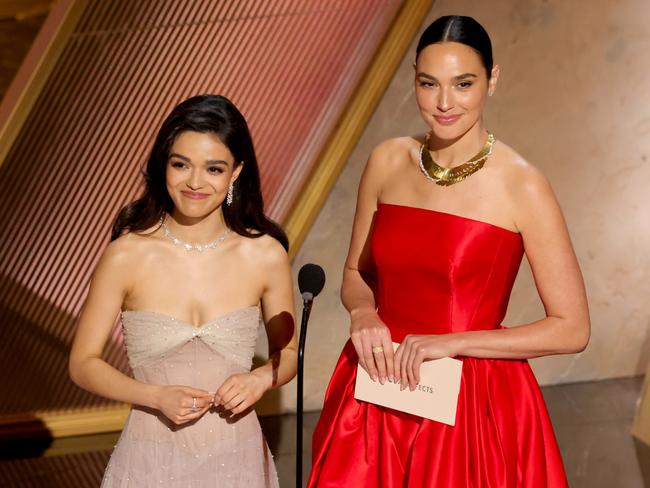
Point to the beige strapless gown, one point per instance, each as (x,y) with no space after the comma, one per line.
(211,451)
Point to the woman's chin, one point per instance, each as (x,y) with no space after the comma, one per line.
(195,212)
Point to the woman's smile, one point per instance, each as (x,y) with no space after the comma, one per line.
(194,195)
(446,119)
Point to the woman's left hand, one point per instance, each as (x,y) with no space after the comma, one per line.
(240,391)
(415,349)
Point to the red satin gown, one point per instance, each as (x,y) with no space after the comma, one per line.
(440,273)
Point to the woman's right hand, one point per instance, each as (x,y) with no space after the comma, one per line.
(176,402)
(368,332)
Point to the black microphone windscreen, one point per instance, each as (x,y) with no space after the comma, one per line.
(311,279)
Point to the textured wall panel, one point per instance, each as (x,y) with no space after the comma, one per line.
(290,67)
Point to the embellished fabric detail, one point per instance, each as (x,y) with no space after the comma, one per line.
(150,336)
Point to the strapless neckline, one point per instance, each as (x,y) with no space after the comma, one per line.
(182,322)
(447,214)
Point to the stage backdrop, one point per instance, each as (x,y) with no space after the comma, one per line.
(77,154)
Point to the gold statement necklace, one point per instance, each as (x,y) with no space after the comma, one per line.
(448,176)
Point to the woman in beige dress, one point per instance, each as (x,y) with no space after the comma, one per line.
(194,266)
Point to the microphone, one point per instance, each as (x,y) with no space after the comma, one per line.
(311,280)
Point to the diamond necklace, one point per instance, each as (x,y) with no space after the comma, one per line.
(448,176)
(192,247)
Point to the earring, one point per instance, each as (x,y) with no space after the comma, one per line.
(231,190)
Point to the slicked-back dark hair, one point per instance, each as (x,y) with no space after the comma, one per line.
(211,114)
(461,29)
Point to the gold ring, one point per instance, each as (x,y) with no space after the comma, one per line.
(377,349)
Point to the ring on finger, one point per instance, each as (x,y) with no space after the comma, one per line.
(377,349)
(194,405)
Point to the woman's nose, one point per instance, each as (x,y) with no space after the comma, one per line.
(445,101)
(194,181)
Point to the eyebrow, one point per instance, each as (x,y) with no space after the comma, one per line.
(186,159)
(459,77)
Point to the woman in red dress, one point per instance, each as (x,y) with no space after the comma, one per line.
(441,225)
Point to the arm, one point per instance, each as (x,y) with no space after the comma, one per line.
(566,326)
(357,291)
(87,369)
(242,391)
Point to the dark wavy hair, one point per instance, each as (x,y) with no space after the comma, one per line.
(461,29)
(217,115)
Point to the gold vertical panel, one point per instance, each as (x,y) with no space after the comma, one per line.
(335,154)
(75,154)
(41,59)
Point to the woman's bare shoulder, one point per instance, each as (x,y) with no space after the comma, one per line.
(129,249)
(519,174)
(393,155)
(396,149)
(523,184)
(262,250)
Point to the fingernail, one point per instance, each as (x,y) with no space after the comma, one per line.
(382,380)
(391,379)
(374,378)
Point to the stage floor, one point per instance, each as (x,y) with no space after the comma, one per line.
(592,422)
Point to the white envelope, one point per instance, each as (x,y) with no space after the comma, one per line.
(435,398)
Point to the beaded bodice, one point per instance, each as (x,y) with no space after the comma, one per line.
(152,336)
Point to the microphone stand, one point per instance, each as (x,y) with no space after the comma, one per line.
(307,300)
